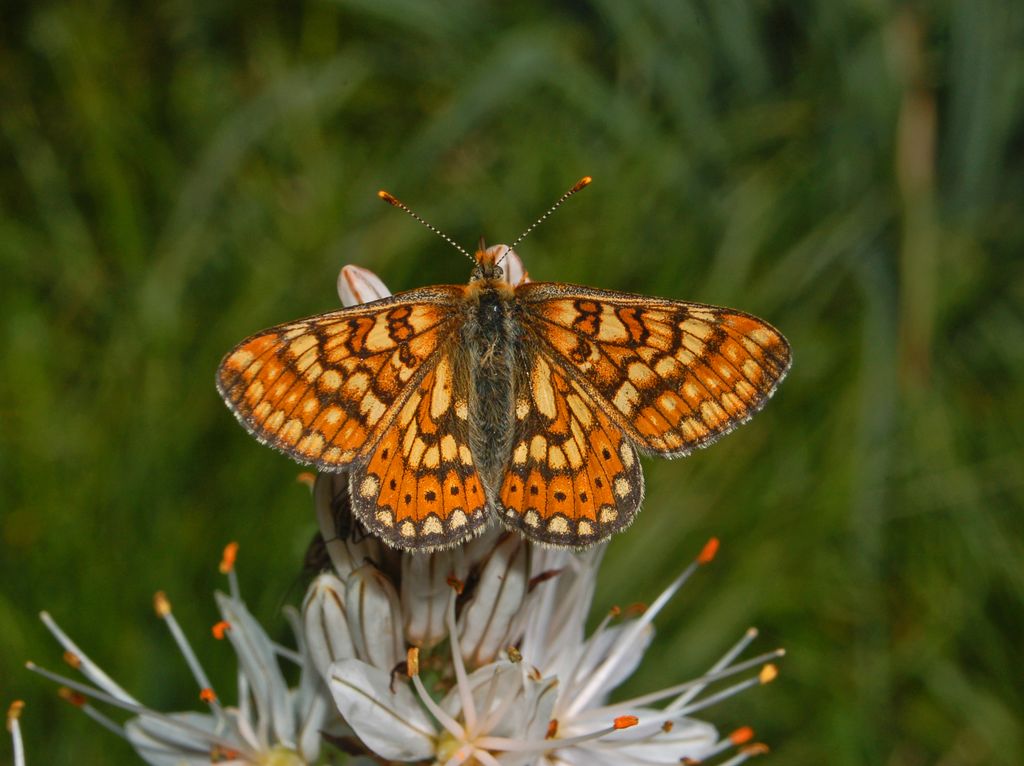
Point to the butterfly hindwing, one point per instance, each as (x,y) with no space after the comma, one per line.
(672,375)
(321,389)
(572,479)
(418,486)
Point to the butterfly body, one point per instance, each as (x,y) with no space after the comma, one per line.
(450,406)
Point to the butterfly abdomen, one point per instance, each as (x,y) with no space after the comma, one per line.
(491,339)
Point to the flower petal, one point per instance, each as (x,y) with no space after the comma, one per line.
(425,595)
(486,621)
(685,739)
(325,622)
(159,742)
(334,516)
(390,722)
(375,617)
(358,285)
(257,661)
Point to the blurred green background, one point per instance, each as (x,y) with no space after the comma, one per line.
(177,176)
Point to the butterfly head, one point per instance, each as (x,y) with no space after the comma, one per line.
(488,262)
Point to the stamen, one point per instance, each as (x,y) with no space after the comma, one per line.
(220,629)
(71,697)
(625,721)
(627,641)
(442,717)
(306,477)
(412,661)
(583,182)
(86,666)
(134,708)
(461,677)
(746,753)
(72,660)
(392,200)
(768,674)
(707,555)
(509,745)
(13,714)
(163,610)
(697,683)
(79,701)
(227,560)
(734,652)
(714,699)
(208,695)
(227,566)
(742,735)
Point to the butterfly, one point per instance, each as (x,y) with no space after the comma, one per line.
(453,405)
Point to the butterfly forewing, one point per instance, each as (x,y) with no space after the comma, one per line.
(672,375)
(324,389)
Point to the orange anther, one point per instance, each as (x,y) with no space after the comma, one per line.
(585,181)
(768,674)
(73,660)
(455,584)
(220,629)
(207,695)
(514,655)
(552,729)
(758,748)
(220,753)
(227,561)
(636,609)
(387,198)
(75,698)
(161,604)
(625,721)
(667,726)
(412,661)
(306,477)
(741,735)
(14,712)
(614,612)
(707,553)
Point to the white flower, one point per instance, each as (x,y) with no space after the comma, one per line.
(519,681)
(272,725)
(477,655)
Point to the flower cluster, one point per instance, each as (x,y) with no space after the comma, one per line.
(477,655)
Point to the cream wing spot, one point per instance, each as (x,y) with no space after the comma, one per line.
(301,345)
(329,381)
(621,487)
(626,398)
(543,394)
(441,396)
(627,455)
(432,525)
(559,525)
(369,486)
(538,448)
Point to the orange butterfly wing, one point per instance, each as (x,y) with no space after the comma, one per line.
(611,373)
(418,487)
(672,375)
(573,478)
(337,390)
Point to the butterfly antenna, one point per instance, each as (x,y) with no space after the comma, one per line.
(582,183)
(393,200)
